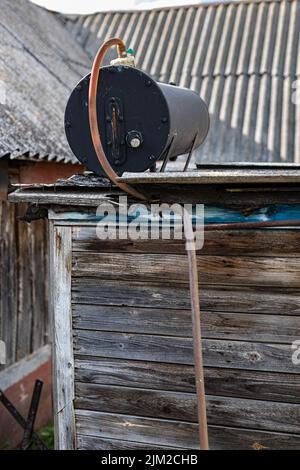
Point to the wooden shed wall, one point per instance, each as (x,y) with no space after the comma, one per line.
(132,341)
(24,320)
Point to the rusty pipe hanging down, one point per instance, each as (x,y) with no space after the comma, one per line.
(197,337)
(192,260)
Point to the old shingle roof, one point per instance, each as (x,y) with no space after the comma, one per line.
(40,62)
(242,58)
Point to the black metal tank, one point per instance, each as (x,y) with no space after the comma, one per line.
(139,120)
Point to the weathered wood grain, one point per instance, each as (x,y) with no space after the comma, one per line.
(237,197)
(133,347)
(98,443)
(66,198)
(248,299)
(235,270)
(11,278)
(178,433)
(25,320)
(240,326)
(47,322)
(40,283)
(223,243)
(217,353)
(23,283)
(255,385)
(214,176)
(63,359)
(8,282)
(222,411)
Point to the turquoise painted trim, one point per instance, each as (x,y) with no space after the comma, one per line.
(213,214)
(268,213)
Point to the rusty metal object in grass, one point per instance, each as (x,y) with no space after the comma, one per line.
(30,436)
(28,431)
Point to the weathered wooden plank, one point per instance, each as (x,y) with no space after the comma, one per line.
(217,353)
(63,360)
(3,180)
(240,326)
(178,433)
(47,319)
(25,287)
(98,443)
(236,197)
(224,243)
(246,299)
(259,271)
(8,280)
(23,302)
(214,176)
(222,411)
(256,385)
(39,284)
(67,198)
(18,371)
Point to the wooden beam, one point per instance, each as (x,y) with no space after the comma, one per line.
(268,357)
(252,384)
(235,270)
(98,443)
(224,242)
(3,180)
(182,406)
(179,434)
(63,361)
(223,298)
(215,176)
(283,328)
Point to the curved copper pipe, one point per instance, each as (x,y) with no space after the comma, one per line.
(193,273)
(95,134)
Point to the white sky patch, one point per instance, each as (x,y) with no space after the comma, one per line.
(92,6)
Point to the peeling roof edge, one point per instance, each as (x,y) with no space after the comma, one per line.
(37,158)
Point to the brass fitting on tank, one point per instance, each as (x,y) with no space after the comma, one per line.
(127,59)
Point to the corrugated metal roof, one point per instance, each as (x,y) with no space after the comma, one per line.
(40,62)
(242,58)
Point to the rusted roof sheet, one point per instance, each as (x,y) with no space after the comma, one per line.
(242,57)
(40,62)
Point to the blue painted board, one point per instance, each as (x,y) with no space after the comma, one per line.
(212,214)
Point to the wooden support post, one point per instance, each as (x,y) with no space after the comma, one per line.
(63,360)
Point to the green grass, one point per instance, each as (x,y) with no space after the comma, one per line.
(3,446)
(47,434)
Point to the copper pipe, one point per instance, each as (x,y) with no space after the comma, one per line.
(95,134)
(193,273)
(197,337)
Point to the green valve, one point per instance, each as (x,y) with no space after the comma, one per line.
(130,51)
